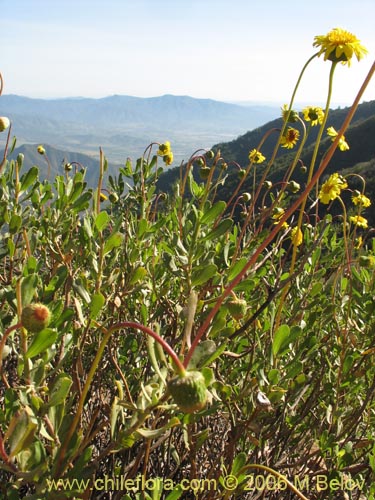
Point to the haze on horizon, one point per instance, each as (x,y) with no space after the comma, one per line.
(229,51)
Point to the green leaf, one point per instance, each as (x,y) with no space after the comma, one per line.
(102,221)
(137,275)
(219,230)
(23,426)
(201,276)
(281,339)
(96,304)
(202,352)
(28,288)
(60,390)
(238,463)
(82,202)
(176,493)
(15,223)
(29,177)
(112,242)
(154,433)
(237,268)
(213,212)
(41,342)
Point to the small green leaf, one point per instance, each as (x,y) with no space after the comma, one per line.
(112,242)
(29,177)
(238,463)
(154,433)
(15,223)
(219,230)
(137,275)
(102,221)
(60,390)
(213,212)
(97,302)
(28,287)
(280,339)
(23,427)
(237,268)
(201,276)
(41,342)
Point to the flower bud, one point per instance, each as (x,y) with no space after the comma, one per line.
(4,123)
(237,307)
(189,391)
(113,197)
(35,317)
(204,172)
(294,186)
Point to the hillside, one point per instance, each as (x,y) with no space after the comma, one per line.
(124,125)
(360,158)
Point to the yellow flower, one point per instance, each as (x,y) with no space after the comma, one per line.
(359,221)
(290,138)
(297,236)
(278,213)
(313,114)
(331,189)
(168,158)
(361,199)
(343,145)
(339,46)
(289,115)
(256,156)
(41,150)
(164,149)
(358,242)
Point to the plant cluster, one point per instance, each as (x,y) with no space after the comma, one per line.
(178,336)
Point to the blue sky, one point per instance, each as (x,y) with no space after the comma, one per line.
(239,50)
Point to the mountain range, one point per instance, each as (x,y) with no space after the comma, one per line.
(124,125)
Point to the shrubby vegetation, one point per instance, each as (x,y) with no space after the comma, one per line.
(174,335)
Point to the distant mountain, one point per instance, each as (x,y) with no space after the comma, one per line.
(125,125)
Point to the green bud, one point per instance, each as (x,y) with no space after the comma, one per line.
(294,186)
(189,391)
(35,317)
(237,307)
(204,172)
(113,197)
(4,123)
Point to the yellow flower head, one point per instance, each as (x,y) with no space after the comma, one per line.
(278,213)
(290,138)
(297,236)
(361,199)
(41,150)
(256,156)
(164,149)
(339,46)
(342,145)
(359,221)
(168,158)
(313,114)
(289,115)
(331,189)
